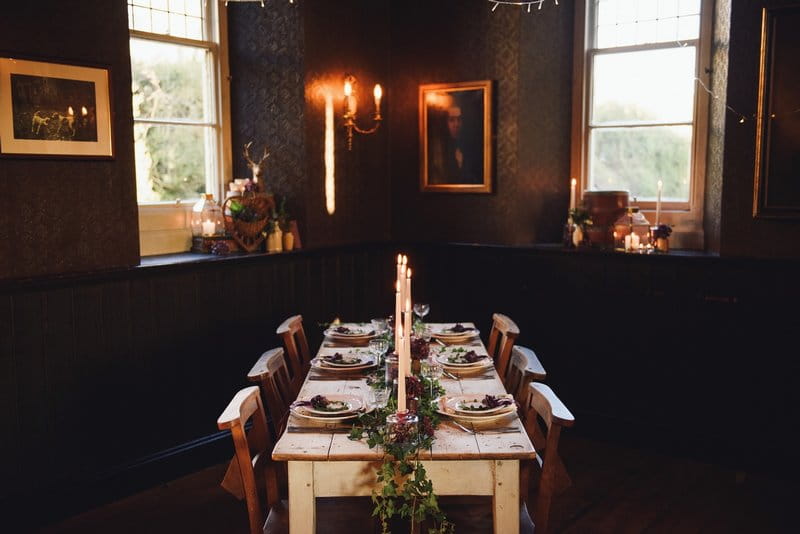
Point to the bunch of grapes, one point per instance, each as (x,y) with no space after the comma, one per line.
(220,248)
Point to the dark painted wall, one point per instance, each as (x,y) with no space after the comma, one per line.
(347,37)
(529,56)
(742,235)
(59,215)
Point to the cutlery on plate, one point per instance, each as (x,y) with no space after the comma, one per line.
(500,430)
(448,374)
(317,430)
(322,377)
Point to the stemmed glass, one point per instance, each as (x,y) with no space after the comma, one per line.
(378,347)
(431,369)
(421,309)
(380,397)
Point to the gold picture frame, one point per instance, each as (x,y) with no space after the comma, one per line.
(455,125)
(54,110)
(776,192)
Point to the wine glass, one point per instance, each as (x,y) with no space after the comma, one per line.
(378,347)
(431,369)
(421,309)
(380,397)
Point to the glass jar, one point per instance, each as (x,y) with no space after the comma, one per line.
(207,218)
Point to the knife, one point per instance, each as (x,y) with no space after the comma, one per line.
(317,430)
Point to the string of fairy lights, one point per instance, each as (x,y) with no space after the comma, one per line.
(524,4)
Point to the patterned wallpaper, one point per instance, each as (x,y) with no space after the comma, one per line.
(267,106)
(528,56)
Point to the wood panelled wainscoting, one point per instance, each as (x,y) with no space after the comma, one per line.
(112,382)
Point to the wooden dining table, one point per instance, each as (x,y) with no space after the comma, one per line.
(327,463)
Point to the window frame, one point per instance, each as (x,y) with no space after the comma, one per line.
(165,227)
(686,218)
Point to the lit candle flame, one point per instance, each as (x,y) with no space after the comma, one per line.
(69,111)
(84,111)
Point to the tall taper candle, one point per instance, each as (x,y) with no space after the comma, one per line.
(397,309)
(658,203)
(407,328)
(572,185)
(401,375)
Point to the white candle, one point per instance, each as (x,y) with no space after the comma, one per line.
(658,203)
(572,185)
(397,288)
(209,227)
(628,242)
(634,241)
(377,93)
(401,375)
(406,354)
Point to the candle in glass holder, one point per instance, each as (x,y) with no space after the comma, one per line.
(209,227)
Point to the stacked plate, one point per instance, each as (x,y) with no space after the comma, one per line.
(347,361)
(456,361)
(478,410)
(455,333)
(350,333)
(331,408)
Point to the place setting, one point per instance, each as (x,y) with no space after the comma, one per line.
(326,412)
(480,413)
(463,361)
(452,333)
(350,334)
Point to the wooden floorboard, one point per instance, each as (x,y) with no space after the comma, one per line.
(615,489)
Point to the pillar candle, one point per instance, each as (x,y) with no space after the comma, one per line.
(658,203)
(407,326)
(634,241)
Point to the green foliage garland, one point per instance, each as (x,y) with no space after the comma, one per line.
(406,490)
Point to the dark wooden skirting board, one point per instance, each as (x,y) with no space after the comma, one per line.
(110,382)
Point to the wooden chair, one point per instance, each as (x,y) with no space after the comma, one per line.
(523,368)
(542,403)
(502,337)
(253,449)
(298,354)
(271,374)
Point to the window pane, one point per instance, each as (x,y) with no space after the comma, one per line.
(634,159)
(642,87)
(633,22)
(170,162)
(169,17)
(168,80)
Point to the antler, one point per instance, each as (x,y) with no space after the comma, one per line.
(255,167)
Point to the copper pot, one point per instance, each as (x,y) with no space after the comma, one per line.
(604,208)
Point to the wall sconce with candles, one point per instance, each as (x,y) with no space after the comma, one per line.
(350,106)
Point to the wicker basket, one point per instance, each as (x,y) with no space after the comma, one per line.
(249,233)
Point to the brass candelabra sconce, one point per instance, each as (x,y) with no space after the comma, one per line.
(351,105)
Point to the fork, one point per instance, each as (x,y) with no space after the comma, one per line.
(502,430)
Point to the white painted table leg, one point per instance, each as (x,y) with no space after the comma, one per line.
(302,504)
(506,497)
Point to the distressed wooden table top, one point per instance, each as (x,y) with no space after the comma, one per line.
(451,443)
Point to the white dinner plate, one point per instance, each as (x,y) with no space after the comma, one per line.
(443,359)
(356,332)
(443,409)
(321,365)
(460,405)
(352,404)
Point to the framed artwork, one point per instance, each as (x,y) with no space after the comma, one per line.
(54,109)
(455,125)
(777,169)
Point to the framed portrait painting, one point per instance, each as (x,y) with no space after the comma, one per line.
(54,110)
(455,123)
(777,169)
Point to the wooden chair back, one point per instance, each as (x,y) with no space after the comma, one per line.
(523,368)
(502,337)
(297,352)
(542,403)
(253,451)
(271,374)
